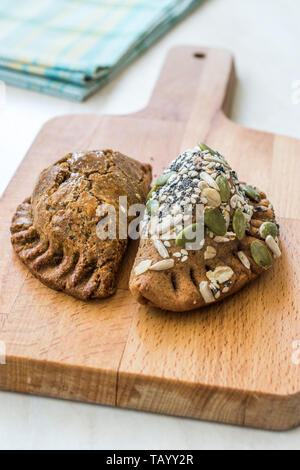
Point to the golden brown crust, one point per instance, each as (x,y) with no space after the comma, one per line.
(54,232)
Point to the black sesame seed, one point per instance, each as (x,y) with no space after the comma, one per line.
(214,290)
(227,283)
(220,168)
(260,209)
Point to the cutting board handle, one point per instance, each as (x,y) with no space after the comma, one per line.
(200,87)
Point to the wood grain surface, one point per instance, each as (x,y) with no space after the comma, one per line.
(231,362)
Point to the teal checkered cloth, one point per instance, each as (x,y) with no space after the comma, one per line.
(72,48)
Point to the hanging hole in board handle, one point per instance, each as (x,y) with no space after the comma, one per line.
(199,55)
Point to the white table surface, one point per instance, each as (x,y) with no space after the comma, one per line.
(264,36)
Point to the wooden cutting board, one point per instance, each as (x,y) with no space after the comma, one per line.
(236,362)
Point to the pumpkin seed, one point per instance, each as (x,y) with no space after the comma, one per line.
(261,254)
(163,179)
(203,147)
(239,224)
(152,206)
(214,220)
(268,228)
(186,235)
(251,193)
(224,187)
(151,192)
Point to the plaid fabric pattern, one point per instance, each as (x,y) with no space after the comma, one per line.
(72,48)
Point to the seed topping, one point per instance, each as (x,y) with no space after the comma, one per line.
(206,292)
(163,265)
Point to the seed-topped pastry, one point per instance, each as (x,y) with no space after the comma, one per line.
(205,234)
(55,232)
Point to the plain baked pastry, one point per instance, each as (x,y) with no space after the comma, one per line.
(55,231)
(240,238)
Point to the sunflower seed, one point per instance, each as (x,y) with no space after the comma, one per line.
(231,235)
(243,259)
(215,159)
(270,241)
(209,180)
(206,292)
(184,258)
(219,239)
(163,265)
(162,250)
(142,267)
(165,226)
(167,244)
(210,165)
(227,218)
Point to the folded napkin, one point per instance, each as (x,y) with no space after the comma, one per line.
(72,48)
